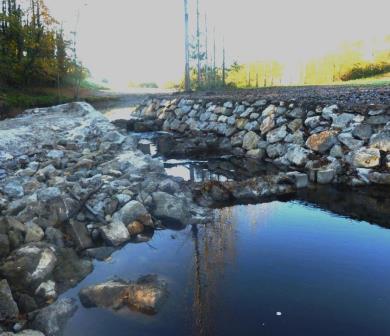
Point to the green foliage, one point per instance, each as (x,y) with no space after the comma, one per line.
(365,71)
(32,51)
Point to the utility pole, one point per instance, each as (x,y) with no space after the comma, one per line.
(214,61)
(198,41)
(187,80)
(223,65)
(207,51)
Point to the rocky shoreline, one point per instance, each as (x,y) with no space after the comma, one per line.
(73,188)
(328,144)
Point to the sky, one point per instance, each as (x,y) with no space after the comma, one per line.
(142,40)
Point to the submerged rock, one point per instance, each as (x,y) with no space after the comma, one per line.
(146,295)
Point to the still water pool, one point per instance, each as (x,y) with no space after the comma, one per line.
(269,269)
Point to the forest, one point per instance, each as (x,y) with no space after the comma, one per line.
(33,49)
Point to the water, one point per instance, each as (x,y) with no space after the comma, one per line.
(325,274)
(313,266)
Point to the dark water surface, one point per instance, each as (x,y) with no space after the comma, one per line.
(280,268)
(268,269)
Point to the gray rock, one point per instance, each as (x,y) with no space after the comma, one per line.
(366,158)
(250,141)
(48,194)
(55,154)
(4,245)
(271,109)
(115,233)
(13,189)
(47,290)
(348,140)
(325,176)
(313,122)
(54,236)
(378,119)
(336,151)
(379,178)
(29,266)
(301,180)
(26,332)
(276,150)
(256,153)
(297,155)
(297,112)
(362,132)
(52,319)
(329,111)
(277,134)
(34,233)
(80,235)
(170,208)
(8,307)
(133,211)
(381,141)
(342,120)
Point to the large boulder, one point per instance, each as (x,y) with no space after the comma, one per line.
(8,308)
(52,319)
(170,208)
(146,295)
(29,266)
(321,142)
(366,158)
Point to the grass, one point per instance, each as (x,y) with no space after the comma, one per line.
(376,80)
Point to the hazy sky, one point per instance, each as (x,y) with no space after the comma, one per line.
(142,40)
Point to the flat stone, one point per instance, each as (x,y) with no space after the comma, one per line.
(342,120)
(348,140)
(80,234)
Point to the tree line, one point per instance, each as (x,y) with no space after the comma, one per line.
(33,49)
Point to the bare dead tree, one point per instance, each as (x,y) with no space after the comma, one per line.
(223,64)
(206,51)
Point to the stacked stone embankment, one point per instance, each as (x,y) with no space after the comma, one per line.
(325,142)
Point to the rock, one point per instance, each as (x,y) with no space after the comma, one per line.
(13,189)
(342,120)
(378,119)
(271,109)
(115,233)
(276,150)
(70,269)
(52,319)
(257,154)
(297,155)
(8,307)
(267,125)
(26,303)
(169,186)
(325,176)
(170,208)
(250,141)
(297,112)
(336,151)
(55,154)
(301,180)
(329,111)
(134,211)
(34,233)
(4,245)
(54,236)
(26,332)
(237,139)
(135,228)
(379,178)
(29,266)
(295,125)
(100,253)
(366,158)
(321,142)
(348,140)
(146,295)
(313,122)
(362,132)
(48,194)
(381,141)
(277,134)
(47,290)
(80,234)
